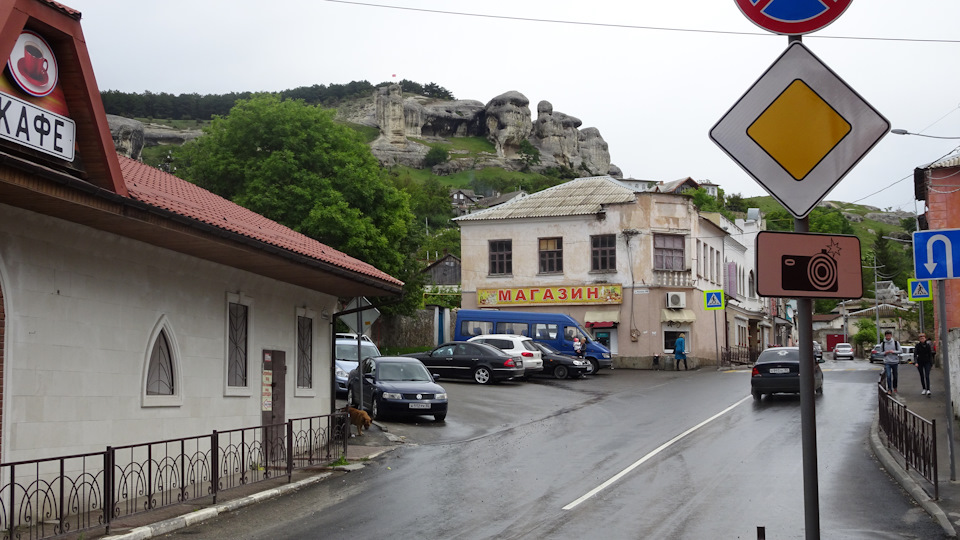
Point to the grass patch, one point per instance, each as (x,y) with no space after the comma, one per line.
(367,133)
(340,462)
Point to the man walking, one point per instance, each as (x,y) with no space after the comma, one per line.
(890,349)
(680,352)
(923,355)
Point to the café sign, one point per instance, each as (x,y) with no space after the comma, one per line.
(37,128)
(564,294)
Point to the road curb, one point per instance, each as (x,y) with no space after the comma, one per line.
(179,522)
(906,481)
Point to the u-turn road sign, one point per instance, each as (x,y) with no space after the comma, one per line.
(936,254)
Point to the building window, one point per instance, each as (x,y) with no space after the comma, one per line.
(551,255)
(162,383)
(751,290)
(501,257)
(304,352)
(160,373)
(668,252)
(237,331)
(603,253)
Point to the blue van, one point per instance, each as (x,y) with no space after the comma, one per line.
(556,329)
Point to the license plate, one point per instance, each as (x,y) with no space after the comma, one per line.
(419,405)
(779,370)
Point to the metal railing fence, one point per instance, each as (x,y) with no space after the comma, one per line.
(50,497)
(738,355)
(913,436)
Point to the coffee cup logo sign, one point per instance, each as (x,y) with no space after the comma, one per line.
(33,67)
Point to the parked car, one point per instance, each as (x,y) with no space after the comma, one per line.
(876,355)
(554,329)
(478,361)
(397,385)
(345,357)
(843,350)
(516,346)
(817,352)
(777,371)
(906,354)
(560,365)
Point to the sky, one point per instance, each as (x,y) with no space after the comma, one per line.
(653,76)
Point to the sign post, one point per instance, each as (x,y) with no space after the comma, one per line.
(934,258)
(797,132)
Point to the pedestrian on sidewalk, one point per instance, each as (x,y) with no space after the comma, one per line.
(923,356)
(890,348)
(680,352)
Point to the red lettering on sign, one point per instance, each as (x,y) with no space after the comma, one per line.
(548,294)
(563,294)
(503,295)
(533,294)
(577,294)
(593,292)
(521,296)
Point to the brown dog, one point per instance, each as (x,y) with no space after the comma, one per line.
(360,419)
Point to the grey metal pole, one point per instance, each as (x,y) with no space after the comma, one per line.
(945,359)
(808,409)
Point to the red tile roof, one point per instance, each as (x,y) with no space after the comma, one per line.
(163,190)
(62,8)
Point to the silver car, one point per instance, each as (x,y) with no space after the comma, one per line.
(843,351)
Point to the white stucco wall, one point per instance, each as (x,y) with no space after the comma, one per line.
(81,306)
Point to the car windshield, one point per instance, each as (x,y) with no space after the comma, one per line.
(779,355)
(402,371)
(348,351)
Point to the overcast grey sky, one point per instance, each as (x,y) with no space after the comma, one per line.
(653,76)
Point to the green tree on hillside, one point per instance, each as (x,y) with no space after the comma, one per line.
(291,163)
(822,220)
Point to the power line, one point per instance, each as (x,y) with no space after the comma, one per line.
(626,26)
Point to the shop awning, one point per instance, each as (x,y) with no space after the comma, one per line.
(677,315)
(601,319)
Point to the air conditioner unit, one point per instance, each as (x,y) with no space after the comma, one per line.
(676,300)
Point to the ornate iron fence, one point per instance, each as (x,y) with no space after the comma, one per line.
(913,436)
(51,497)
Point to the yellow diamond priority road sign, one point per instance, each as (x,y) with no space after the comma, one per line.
(799,130)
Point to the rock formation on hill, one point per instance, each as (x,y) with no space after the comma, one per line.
(505,120)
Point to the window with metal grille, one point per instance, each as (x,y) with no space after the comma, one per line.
(160,379)
(501,256)
(237,357)
(551,255)
(304,352)
(603,252)
(668,252)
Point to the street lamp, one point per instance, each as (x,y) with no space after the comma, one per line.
(905,132)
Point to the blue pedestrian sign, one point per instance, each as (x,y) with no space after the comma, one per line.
(713,300)
(936,254)
(918,289)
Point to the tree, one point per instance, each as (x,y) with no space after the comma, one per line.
(822,220)
(436,155)
(735,203)
(291,163)
(529,154)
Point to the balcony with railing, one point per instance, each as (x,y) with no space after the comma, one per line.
(673,278)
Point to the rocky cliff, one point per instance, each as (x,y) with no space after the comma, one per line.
(506,121)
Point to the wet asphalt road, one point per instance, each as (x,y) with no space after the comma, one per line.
(625,454)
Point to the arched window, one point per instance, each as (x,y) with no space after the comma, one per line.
(752,287)
(162,378)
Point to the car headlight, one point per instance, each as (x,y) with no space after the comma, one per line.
(392,395)
(577,363)
(341,373)
(440,396)
(606,355)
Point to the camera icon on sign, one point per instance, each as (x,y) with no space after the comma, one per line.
(809,273)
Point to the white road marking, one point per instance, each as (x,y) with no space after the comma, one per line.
(647,457)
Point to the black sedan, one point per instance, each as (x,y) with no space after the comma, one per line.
(777,371)
(468,360)
(560,365)
(397,386)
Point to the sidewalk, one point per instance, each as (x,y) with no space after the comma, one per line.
(946,510)
(374,442)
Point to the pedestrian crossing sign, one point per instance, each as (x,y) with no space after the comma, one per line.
(713,300)
(919,289)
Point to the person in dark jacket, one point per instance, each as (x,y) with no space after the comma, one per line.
(923,356)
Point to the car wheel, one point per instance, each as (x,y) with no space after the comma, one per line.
(483,375)
(374,409)
(560,372)
(440,417)
(592,366)
(757,395)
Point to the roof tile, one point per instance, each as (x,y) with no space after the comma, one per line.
(166,191)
